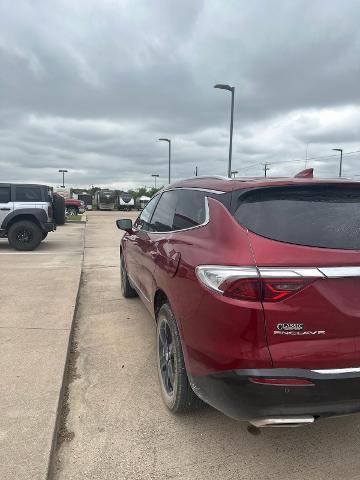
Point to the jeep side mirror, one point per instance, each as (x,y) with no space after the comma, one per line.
(124,224)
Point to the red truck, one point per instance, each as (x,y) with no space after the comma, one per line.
(74,206)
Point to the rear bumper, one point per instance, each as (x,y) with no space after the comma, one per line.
(49,227)
(235,394)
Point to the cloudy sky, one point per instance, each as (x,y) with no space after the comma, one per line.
(90,85)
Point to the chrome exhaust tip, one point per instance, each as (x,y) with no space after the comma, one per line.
(291,421)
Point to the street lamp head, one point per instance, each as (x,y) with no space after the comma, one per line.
(222,86)
(164,140)
(337,149)
(63,171)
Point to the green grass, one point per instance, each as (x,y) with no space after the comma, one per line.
(73,218)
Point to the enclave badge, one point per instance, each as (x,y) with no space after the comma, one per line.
(295,329)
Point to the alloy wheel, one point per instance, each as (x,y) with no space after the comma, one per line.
(24,236)
(166,356)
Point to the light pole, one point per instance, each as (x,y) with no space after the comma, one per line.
(63,175)
(266,169)
(341,154)
(155,175)
(232,90)
(169,142)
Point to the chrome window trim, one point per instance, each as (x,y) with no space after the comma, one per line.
(174,189)
(337,371)
(340,272)
(206,221)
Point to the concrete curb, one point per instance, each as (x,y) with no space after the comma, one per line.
(53,449)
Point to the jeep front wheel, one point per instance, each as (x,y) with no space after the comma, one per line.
(24,235)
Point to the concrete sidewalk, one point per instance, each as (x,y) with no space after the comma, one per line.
(38,293)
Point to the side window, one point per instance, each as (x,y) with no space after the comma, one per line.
(4,194)
(143,221)
(178,210)
(190,209)
(28,194)
(163,217)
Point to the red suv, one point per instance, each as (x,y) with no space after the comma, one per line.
(255,289)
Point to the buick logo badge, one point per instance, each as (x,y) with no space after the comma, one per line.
(290,327)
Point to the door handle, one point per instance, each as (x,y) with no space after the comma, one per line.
(5,209)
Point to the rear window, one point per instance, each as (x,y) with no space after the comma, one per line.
(316,216)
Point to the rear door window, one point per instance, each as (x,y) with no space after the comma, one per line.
(28,194)
(4,194)
(189,210)
(163,218)
(179,210)
(319,216)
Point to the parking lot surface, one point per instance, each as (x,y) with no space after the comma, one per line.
(37,300)
(118,427)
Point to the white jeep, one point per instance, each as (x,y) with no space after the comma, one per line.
(26,214)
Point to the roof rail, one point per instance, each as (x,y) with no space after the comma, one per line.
(209,177)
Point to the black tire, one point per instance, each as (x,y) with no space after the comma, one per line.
(44,235)
(126,289)
(59,209)
(176,391)
(24,235)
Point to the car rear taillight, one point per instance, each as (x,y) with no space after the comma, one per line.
(278,289)
(242,288)
(247,283)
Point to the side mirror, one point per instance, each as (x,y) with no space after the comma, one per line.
(124,224)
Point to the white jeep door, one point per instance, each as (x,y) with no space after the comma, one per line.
(6,206)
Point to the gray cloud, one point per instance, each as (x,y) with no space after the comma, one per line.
(91,85)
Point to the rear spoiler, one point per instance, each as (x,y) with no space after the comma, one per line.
(307,173)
